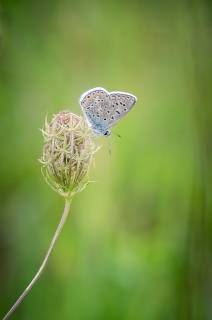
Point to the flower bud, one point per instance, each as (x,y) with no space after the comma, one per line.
(68,153)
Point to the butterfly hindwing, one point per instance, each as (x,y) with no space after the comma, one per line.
(94,104)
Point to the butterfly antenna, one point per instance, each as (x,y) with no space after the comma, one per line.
(117,134)
(109,147)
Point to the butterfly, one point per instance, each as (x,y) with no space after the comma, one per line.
(104,109)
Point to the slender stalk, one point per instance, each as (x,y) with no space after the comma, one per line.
(59,228)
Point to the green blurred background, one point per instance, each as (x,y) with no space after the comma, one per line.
(138,243)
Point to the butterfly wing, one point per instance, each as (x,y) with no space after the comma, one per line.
(94,104)
(121,104)
(103,109)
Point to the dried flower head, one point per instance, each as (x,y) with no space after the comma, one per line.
(68,153)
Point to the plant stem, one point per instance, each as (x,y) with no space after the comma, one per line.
(59,228)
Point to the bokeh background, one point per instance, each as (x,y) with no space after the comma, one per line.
(138,243)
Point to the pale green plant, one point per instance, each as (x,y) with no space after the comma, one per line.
(67,156)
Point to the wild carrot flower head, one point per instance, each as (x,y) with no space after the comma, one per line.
(67,153)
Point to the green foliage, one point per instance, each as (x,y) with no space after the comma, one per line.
(137,244)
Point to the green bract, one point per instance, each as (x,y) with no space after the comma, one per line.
(68,153)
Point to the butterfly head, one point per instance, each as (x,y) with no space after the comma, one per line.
(99,130)
(107,133)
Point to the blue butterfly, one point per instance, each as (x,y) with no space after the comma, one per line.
(104,109)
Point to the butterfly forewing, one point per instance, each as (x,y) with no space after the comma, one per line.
(121,104)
